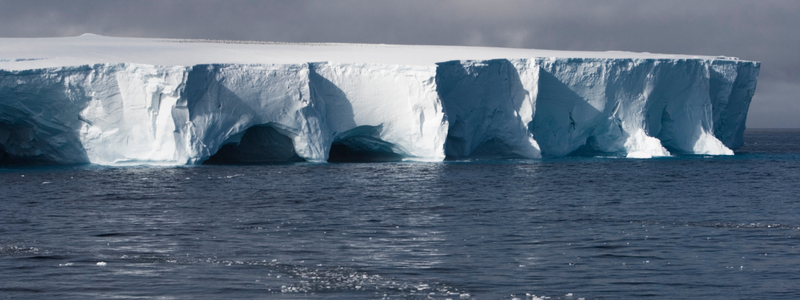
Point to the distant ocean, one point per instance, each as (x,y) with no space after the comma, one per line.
(685,227)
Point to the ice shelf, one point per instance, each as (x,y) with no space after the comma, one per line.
(103,100)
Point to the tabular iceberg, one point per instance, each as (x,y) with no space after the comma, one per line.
(101,100)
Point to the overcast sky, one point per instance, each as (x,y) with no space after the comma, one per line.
(762,30)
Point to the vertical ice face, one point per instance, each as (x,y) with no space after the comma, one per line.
(40,115)
(221,102)
(102,114)
(128,114)
(518,108)
(374,108)
(389,110)
(571,104)
(637,107)
(732,85)
(487,104)
(641,107)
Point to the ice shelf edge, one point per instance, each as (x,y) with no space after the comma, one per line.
(503,108)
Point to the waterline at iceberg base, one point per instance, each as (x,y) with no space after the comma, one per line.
(134,111)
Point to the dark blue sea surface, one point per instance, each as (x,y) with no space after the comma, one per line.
(686,227)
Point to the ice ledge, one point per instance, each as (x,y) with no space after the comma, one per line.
(253,113)
(92,49)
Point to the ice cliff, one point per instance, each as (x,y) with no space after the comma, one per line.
(521,107)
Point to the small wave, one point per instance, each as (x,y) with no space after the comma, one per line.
(730,225)
(16,250)
(19,290)
(339,279)
(304,279)
(47,257)
(743,225)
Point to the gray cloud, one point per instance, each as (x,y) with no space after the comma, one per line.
(763,30)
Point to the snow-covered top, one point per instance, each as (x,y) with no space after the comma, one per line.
(87,49)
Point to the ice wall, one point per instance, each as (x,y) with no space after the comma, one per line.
(642,107)
(502,108)
(637,107)
(489,105)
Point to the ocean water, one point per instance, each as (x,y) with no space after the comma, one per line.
(687,227)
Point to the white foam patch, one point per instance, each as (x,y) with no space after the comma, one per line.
(709,145)
(639,145)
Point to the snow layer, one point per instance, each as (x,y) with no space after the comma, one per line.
(93,99)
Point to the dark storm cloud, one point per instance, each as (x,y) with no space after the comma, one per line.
(756,30)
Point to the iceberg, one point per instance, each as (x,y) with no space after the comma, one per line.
(111,101)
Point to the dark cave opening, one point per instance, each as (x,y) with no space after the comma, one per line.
(362,149)
(261,144)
